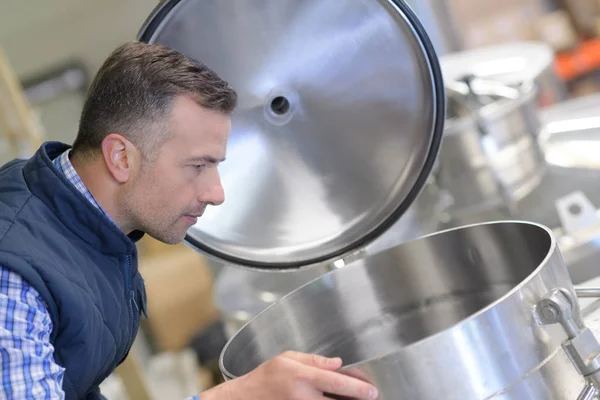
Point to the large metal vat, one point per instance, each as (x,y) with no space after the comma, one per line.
(454,315)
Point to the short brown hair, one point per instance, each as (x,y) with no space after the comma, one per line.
(134,90)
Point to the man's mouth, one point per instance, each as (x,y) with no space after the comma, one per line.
(192,219)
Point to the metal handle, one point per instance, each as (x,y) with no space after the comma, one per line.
(587,291)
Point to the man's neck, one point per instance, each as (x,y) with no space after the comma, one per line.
(93,174)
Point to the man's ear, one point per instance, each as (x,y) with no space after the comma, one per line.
(119,156)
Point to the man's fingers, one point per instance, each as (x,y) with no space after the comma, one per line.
(356,373)
(342,385)
(323,378)
(315,360)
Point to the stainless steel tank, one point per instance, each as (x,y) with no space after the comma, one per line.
(469,313)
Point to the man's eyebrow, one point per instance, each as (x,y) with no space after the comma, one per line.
(208,159)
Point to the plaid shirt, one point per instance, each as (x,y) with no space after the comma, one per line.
(28,369)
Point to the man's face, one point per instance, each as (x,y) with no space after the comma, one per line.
(168,194)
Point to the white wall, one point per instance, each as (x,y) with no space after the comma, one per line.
(40,34)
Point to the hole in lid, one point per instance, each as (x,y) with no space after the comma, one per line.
(575,209)
(280,105)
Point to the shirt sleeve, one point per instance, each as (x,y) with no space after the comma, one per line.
(27,366)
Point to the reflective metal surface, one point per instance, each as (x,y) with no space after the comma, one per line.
(579,234)
(490,156)
(582,254)
(572,133)
(448,316)
(569,141)
(240,294)
(510,63)
(340,118)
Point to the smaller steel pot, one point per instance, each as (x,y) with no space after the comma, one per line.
(490,157)
(512,64)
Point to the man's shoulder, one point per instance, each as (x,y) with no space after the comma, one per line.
(14,163)
(14,194)
(13,187)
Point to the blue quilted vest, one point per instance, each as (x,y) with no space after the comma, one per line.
(83,266)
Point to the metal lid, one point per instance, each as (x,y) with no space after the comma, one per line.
(340,117)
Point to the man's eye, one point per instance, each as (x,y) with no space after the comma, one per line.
(199,166)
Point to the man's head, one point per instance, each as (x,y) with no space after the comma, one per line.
(154,127)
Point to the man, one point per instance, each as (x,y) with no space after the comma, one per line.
(153,130)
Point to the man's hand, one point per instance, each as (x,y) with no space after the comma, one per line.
(293,376)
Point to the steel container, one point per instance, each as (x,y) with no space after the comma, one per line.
(490,155)
(451,315)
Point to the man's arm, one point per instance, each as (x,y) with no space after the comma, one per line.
(28,369)
(27,366)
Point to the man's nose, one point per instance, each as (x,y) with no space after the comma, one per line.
(214,193)
(217,196)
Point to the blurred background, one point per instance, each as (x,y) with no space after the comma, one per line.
(50,50)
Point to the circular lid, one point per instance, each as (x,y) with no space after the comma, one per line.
(510,63)
(340,117)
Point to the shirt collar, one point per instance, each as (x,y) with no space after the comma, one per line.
(64,165)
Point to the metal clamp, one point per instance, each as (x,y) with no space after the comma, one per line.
(581,345)
(576,212)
